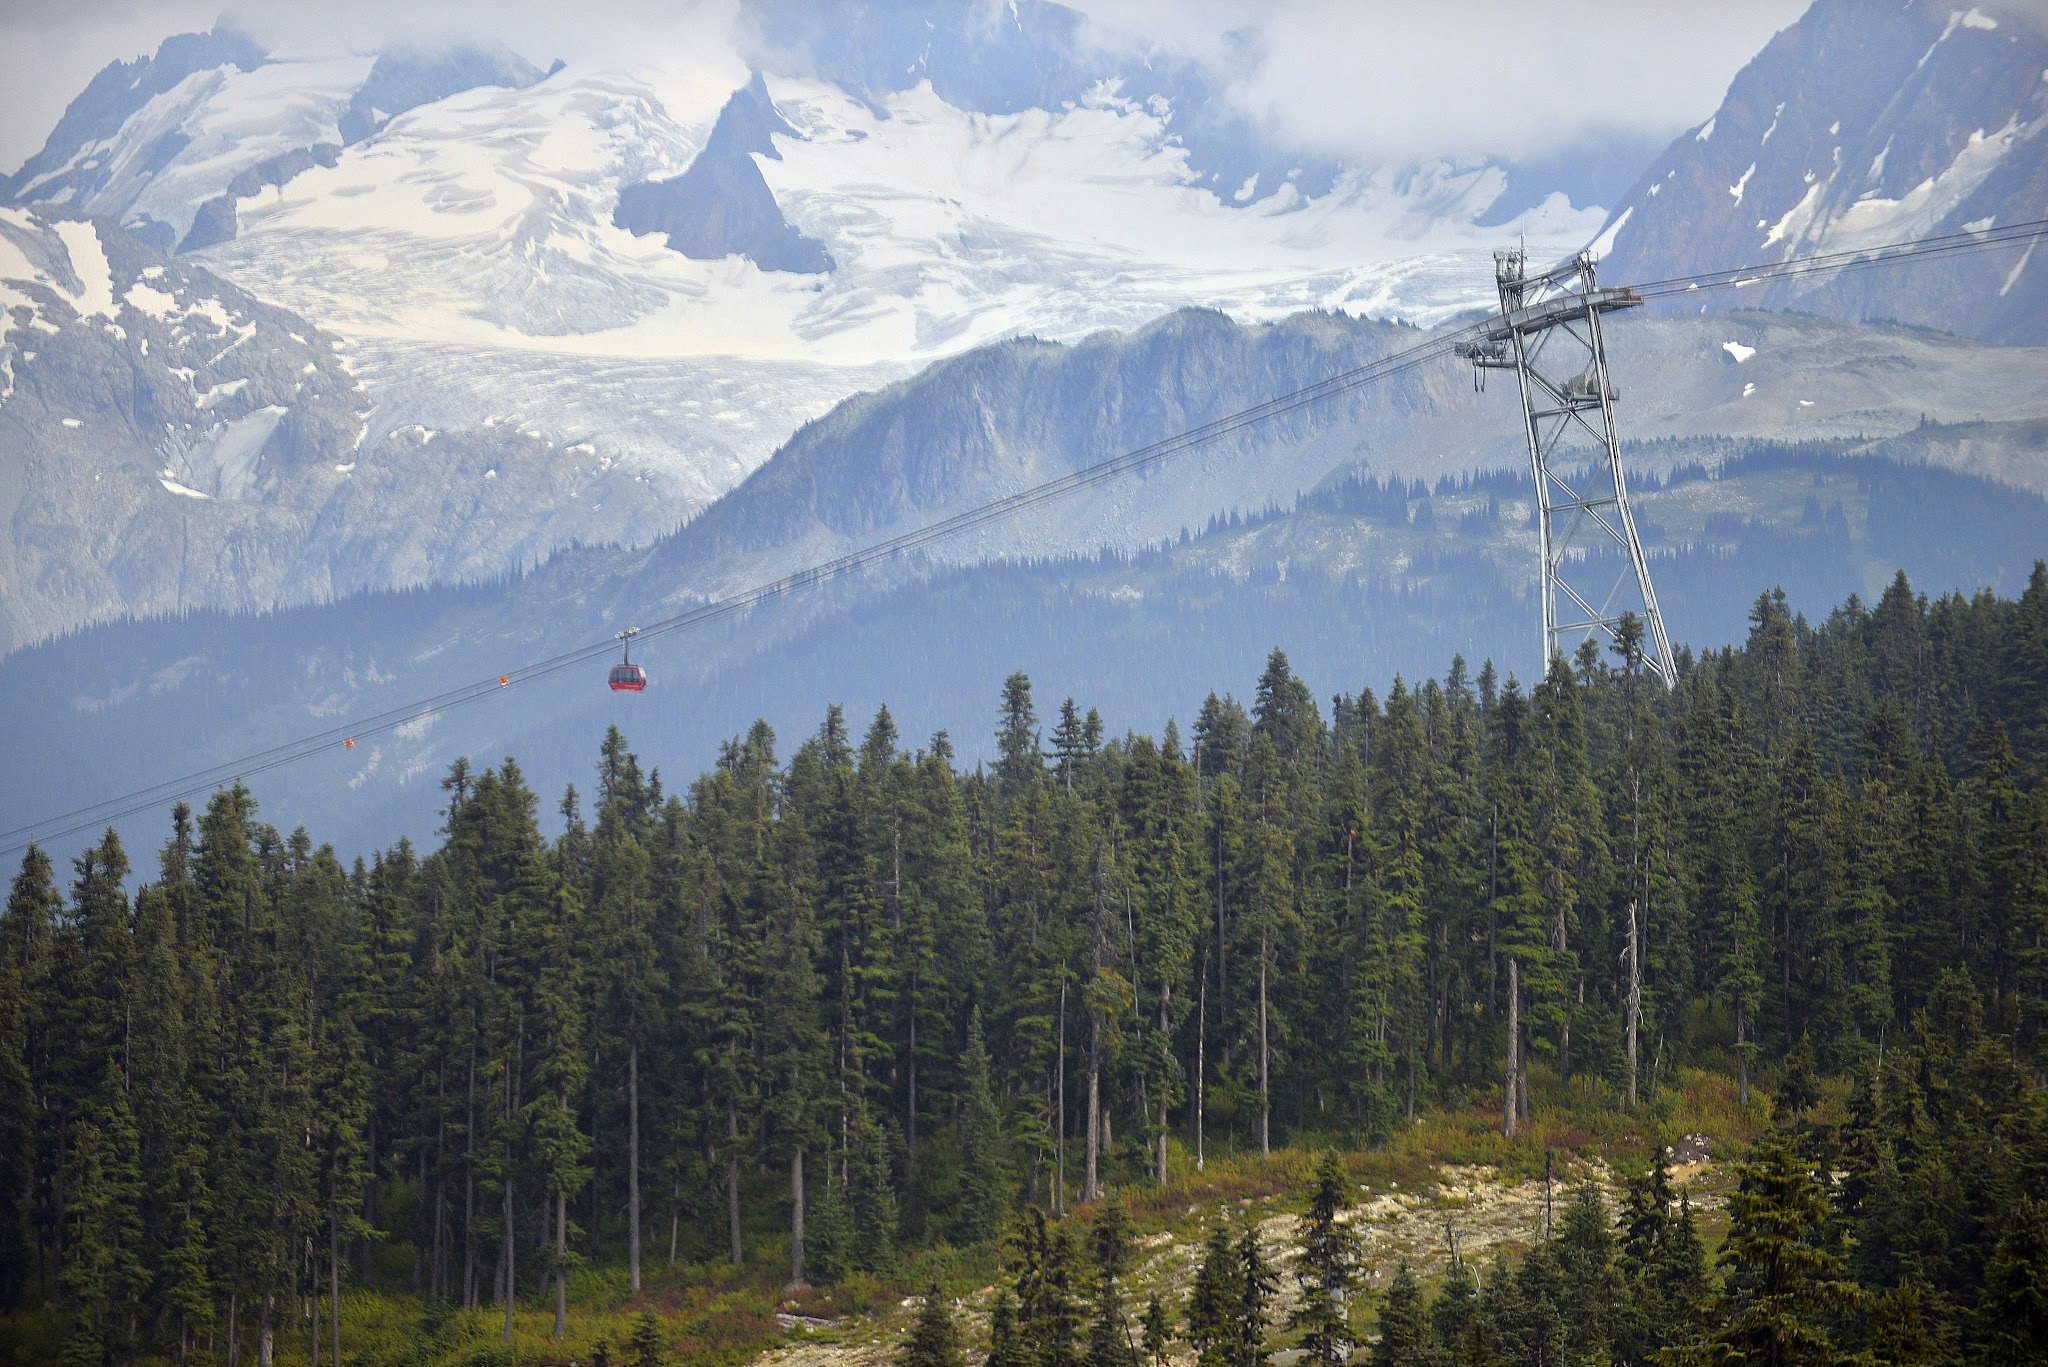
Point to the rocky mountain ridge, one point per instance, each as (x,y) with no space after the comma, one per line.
(906,183)
(1853,129)
(173,442)
(464,226)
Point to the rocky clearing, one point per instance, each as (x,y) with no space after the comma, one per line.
(1471,1209)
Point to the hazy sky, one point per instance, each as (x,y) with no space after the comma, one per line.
(1365,77)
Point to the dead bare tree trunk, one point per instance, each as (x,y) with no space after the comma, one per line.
(1635,999)
(633,1162)
(334,1282)
(1510,1105)
(1059,1126)
(1201,1069)
(796,1216)
(469,1185)
(509,1286)
(561,1263)
(511,1253)
(1741,1055)
(732,1180)
(1166,1063)
(1265,1062)
(1091,1188)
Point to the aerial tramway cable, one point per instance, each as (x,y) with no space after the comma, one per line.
(349,735)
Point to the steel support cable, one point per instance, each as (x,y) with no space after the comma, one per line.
(287,752)
(1885,254)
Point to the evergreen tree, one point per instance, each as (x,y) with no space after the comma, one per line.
(984,1179)
(2013,1315)
(933,1341)
(1020,765)
(1328,1267)
(1591,1284)
(1784,1284)
(1158,1333)
(1256,1287)
(1455,1314)
(1404,1339)
(104,1276)
(1907,1328)
(1006,1345)
(1109,1333)
(1056,1310)
(907,999)
(646,1348)
(1215,1300)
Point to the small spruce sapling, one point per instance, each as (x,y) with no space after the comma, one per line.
(934,1341)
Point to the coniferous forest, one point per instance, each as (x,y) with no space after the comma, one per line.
(842,1001)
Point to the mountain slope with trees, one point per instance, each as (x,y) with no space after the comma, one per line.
(896,1004)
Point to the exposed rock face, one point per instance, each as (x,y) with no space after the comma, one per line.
(536,378)
(66,168)
(168,442)
(216,223)
(721,206)
(1855,127)
(165,439)
(1031,54)
(446,216)
(167,144)
(402,81)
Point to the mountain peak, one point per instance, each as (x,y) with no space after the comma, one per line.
(405,79)
(119,90)
(1853,129)
(721,206)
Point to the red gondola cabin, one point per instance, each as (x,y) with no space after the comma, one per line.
(628,677)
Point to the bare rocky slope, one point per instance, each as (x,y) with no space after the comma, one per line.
(1857,126)
(169,442)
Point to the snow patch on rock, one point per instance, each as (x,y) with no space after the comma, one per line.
(95,297)
(150,300)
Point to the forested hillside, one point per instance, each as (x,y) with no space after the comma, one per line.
(893,1004)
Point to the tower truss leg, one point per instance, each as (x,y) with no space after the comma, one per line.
(1594,575)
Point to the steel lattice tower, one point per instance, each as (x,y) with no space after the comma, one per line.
(1549,334)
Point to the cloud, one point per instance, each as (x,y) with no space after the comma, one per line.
(1379,79)
(540,30)
(1394,79)
(50,49)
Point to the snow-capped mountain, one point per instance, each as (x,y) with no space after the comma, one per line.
(650,273)
(1857,126)
(586,302)
(170,144)
(170,442)
(167,435)
(769,238)
(1797,450)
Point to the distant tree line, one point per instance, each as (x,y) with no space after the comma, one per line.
(894,1003)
